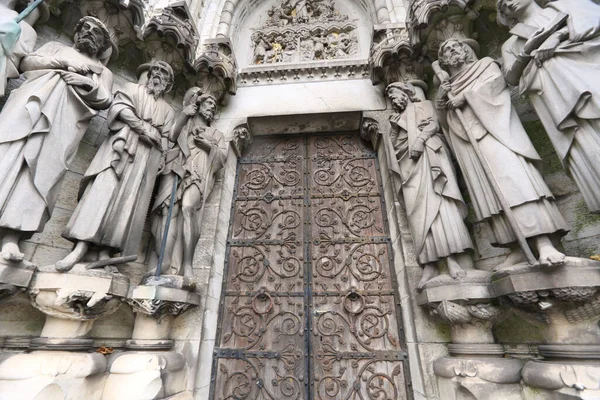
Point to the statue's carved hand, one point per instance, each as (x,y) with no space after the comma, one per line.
(456,102)
(417,149)
(546,50)
(190,110)
(76,66)
(444,89)
(75,79)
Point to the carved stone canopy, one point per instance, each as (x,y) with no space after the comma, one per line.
(215,68)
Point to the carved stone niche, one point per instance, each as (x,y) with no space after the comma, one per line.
(476,364)
(171,37)
(215,69)
(565,302)
(392,57)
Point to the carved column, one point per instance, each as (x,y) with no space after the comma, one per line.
(565,302)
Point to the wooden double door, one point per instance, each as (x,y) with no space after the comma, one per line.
(309,308)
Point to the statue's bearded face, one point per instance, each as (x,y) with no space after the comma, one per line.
(207,109)
(90,39)
(454,54)
(159,79)
(399,99)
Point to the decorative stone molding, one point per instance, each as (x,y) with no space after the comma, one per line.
(171,37)
(242,137)
(216,69)
(72,303)
(296,73)
(392,56)
(14,277)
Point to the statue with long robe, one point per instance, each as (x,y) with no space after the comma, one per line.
(203,152)
(116,190)
(434,205)
(478,90)
(41,126)
(560,75)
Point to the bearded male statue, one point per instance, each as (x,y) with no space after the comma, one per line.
(42,124)
(434,204)
(116,189)
(202,154)
(479,92)
(559,71)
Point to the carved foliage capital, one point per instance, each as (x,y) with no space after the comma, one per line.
(454,313)
(157,308)
(74,304)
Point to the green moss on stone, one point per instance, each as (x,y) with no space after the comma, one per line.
(583,217)
(444,331)
(541,142)
(515,329)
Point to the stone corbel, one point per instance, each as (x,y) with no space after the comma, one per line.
(171,37)
(242,137)
(215,69)
(15,277)
(392,57)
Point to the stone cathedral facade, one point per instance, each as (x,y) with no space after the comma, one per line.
(299,199)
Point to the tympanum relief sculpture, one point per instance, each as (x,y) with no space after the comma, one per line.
(41,126)
(553,56)
(434,205)
(202,153)
(304,30)
(496,157)
(117,187)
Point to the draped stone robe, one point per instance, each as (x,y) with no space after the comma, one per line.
(117,187)
(434,205)
(565,91)
(41,126)
(506,148)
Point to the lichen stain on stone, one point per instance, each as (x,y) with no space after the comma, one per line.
(515,329)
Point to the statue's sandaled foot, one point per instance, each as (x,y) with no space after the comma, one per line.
(187,271)
(515,257)
(455,270)
(11,252)
(548,254)
(67,263)
(430,271)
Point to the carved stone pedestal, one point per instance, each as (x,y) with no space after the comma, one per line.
(14,276)
(475,368)
(148,370)
(72,303)
(53,375)
(566,302)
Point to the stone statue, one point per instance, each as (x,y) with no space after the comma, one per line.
(9,67)
(116,189)
(558,69)
(41,126)
(261,47)
(480,99)
(434,205)
(204,152)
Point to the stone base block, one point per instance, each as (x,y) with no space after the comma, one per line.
(478,378)
(53,375)
(475,286)
(141,376)
(14,276)
(561,380)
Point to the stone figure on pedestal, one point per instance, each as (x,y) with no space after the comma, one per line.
(42,124)
(203,154)
(116,189)
(434,204)
(9,67)
(558,67)
(480,102)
